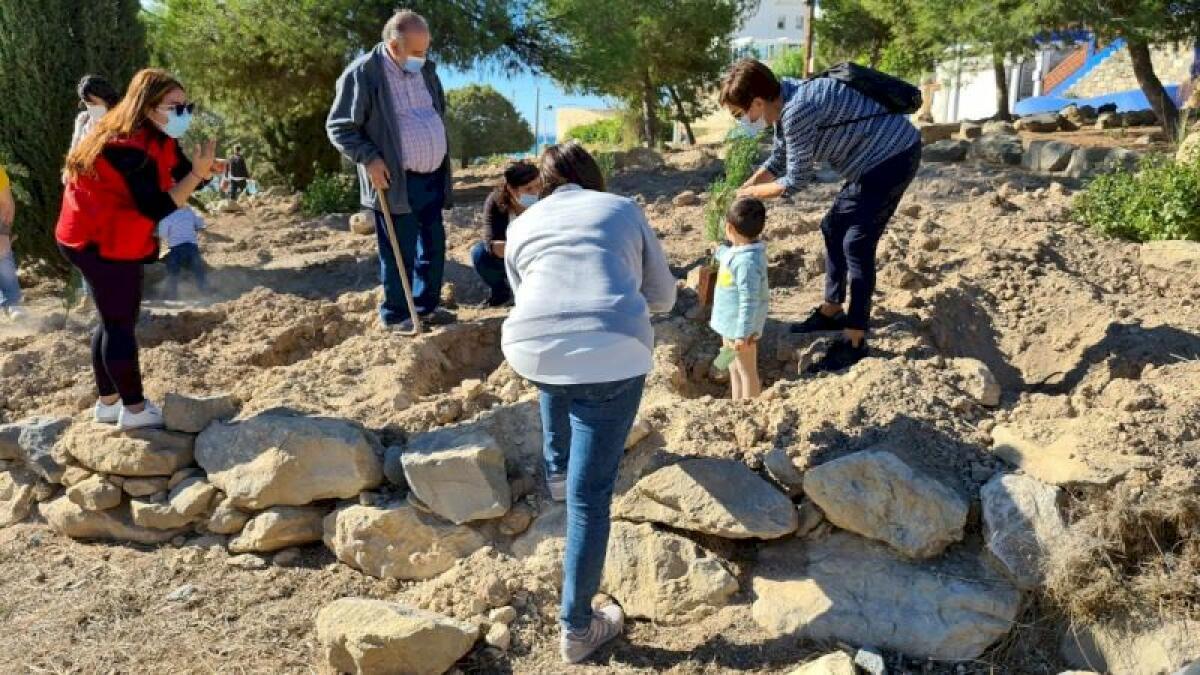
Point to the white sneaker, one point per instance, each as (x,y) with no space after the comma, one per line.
(150,417)
(105,413)
(17,314)
(557,483)
(607,624)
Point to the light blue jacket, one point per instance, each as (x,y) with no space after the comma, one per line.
(742,296)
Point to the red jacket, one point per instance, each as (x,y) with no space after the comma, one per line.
(117,208)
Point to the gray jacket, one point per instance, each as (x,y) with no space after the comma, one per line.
(362,125)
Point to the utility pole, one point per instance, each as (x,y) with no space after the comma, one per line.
(808,37)
(537,121)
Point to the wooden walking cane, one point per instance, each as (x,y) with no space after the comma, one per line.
(391,230)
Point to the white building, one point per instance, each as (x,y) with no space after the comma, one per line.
(777,27)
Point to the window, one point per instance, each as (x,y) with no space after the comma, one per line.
(781,24)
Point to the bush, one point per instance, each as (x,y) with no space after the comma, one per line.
(739,165)
(331,193)
(789,64)
(600,132)
(1161,200)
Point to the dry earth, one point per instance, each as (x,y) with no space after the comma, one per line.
(983,263)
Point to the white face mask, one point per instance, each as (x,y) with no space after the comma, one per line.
(752,128)
(95,112)
(527,200)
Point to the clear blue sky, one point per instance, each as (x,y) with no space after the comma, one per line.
(522,91)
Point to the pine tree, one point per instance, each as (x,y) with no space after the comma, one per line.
(46,47)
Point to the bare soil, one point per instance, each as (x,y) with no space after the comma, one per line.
(982,263)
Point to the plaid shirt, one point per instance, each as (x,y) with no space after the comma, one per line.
(422,132)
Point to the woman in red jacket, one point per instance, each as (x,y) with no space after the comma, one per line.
(127,174)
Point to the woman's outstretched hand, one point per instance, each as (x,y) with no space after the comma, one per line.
(203,157)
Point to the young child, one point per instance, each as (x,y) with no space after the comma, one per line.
(740,303)
(179,230)
(10,288)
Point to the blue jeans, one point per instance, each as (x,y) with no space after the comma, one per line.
(854,226)
(422,236)
(491,270)
(10,289)
(184,256)
(584,427)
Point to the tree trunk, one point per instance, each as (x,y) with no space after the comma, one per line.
(466,162)
(649,98)
(876,54)
(682,115)
(1001,70)
(1152,87)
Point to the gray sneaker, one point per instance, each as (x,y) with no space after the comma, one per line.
(607,623)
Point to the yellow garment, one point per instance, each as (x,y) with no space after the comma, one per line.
(3,179)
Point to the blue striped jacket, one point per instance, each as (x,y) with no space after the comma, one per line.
(811,129)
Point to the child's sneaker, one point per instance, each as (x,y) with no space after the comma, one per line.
(607,623)
(105,413)
(150,417)
(557,484)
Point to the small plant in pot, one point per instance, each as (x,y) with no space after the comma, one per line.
(740,153)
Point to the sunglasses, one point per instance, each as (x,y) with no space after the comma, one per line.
(180,109)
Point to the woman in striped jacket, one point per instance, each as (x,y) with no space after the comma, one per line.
(875,151)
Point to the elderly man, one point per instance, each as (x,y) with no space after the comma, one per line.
(387,117)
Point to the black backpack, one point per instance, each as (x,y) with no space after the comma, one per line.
(895,95)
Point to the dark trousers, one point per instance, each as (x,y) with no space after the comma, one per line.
(117,292)
(236,187)
(422,239)
(179,258)
(854,226)
(491,270)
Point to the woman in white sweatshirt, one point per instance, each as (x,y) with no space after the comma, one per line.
(586,271)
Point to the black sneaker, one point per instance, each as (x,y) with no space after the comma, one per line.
(818,322)
(438,317)
(494,302)
(841,355)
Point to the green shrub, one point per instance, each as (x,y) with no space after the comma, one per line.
(789,64)
(740,154)
(331,193)
(600,132)
(1161,200)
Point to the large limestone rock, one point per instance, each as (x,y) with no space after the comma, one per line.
(1044,123)
(875,494)
(158,515)
(837,663)
(932,133)
(998,149)
(192,497)
(95,494)
(1022,522)
(280,527)
(1049,156)
(662,576)
(227,518)
(276,460)
(191,414)
(946,151)
(374,637)
(714,496)
(69,519)
(459,474)
(977,381)
(1148,649)
(846,588)
(1060,452)
(143,452)
(397,542)
(35,441)
(1171,263)
(16,496)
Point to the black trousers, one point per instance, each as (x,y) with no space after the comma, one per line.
(853,227)
(117,291)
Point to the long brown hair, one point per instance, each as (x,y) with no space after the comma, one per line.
(516,175)
(147,90)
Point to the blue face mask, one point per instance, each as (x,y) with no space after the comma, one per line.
(177,125)
(753,129)
(414,64)
(526,200)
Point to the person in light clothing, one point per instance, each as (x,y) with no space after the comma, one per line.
(586,271)
(97,97)
(742,295)
(180,232)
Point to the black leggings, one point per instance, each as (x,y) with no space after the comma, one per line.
(117,292)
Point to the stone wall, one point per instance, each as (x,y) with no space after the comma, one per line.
(1115,74)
